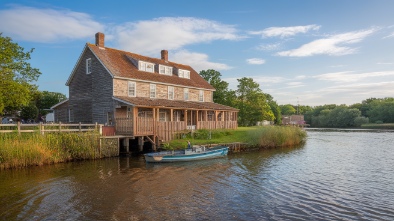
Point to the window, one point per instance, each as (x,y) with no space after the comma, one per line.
(201,96)
(88,66)
(152,91)
(165,70)
(183,73)
(162,116)
(170,93)
(131,89)
(145,66)
(186,94)
(129,113)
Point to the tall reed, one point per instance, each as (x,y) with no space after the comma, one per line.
(27,149)
(276,136)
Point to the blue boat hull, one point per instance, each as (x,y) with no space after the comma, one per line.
(185,156)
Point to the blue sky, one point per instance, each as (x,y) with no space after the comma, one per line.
(308,52)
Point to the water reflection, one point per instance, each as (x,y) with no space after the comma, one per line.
(336,175)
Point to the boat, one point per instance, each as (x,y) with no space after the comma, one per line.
(192,154)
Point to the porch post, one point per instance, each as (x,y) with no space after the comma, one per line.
(135,117)
(185,117)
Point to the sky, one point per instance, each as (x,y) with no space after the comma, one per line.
(304,52)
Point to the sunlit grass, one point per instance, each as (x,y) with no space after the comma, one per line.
(267,137)
(28,149)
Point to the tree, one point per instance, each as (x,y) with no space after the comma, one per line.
(45,100)
(252,103)
(16,75)
(221,95)
(29,112)
(287,109)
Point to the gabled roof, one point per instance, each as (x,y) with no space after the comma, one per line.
(154,102)
(120,65)
(58,104)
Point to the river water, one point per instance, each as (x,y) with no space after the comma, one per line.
(336,175)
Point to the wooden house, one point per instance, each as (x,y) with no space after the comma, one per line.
(141,97)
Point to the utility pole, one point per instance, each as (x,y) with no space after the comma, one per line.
(298,105)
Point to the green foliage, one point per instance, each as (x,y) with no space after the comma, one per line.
(45,100)
(29,112)
(340,116)
(16,75)
(276,111)
(358,121)
(381,110)
(253,104)
(287,109)
(222,95)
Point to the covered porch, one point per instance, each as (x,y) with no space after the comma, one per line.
(149,117)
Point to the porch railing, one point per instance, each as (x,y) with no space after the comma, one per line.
(124,126)
(210,125)
(165,130)
(168,130)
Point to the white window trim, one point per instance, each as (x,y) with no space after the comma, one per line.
(186,94)
(128,88)
(201,96)
(184,73)
(169,95)
(143,64)
(167,70)
(152,88)
(88,66)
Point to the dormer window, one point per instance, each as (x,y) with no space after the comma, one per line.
(165,70)
(146,66)
(88,66)
(184,74)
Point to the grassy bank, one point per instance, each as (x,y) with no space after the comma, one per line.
(264,137)
(389,126)
(30,149)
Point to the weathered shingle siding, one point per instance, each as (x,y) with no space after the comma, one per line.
(102,88)
(61,113)
(80,90)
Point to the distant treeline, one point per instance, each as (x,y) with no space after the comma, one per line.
(371,110)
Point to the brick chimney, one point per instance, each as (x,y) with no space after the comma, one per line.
(100,39)
(164,55)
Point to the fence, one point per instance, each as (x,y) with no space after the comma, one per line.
(47,128)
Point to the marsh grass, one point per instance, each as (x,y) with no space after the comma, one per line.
(28,149)
(270,137)
(265,137)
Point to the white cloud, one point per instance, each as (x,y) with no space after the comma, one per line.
(299,77)
(46,25)
(255,61)
(151,36)
(334,45)
(348,76)
(295,84)
(197,60)
(269,47)
(284,32)
(389,36)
